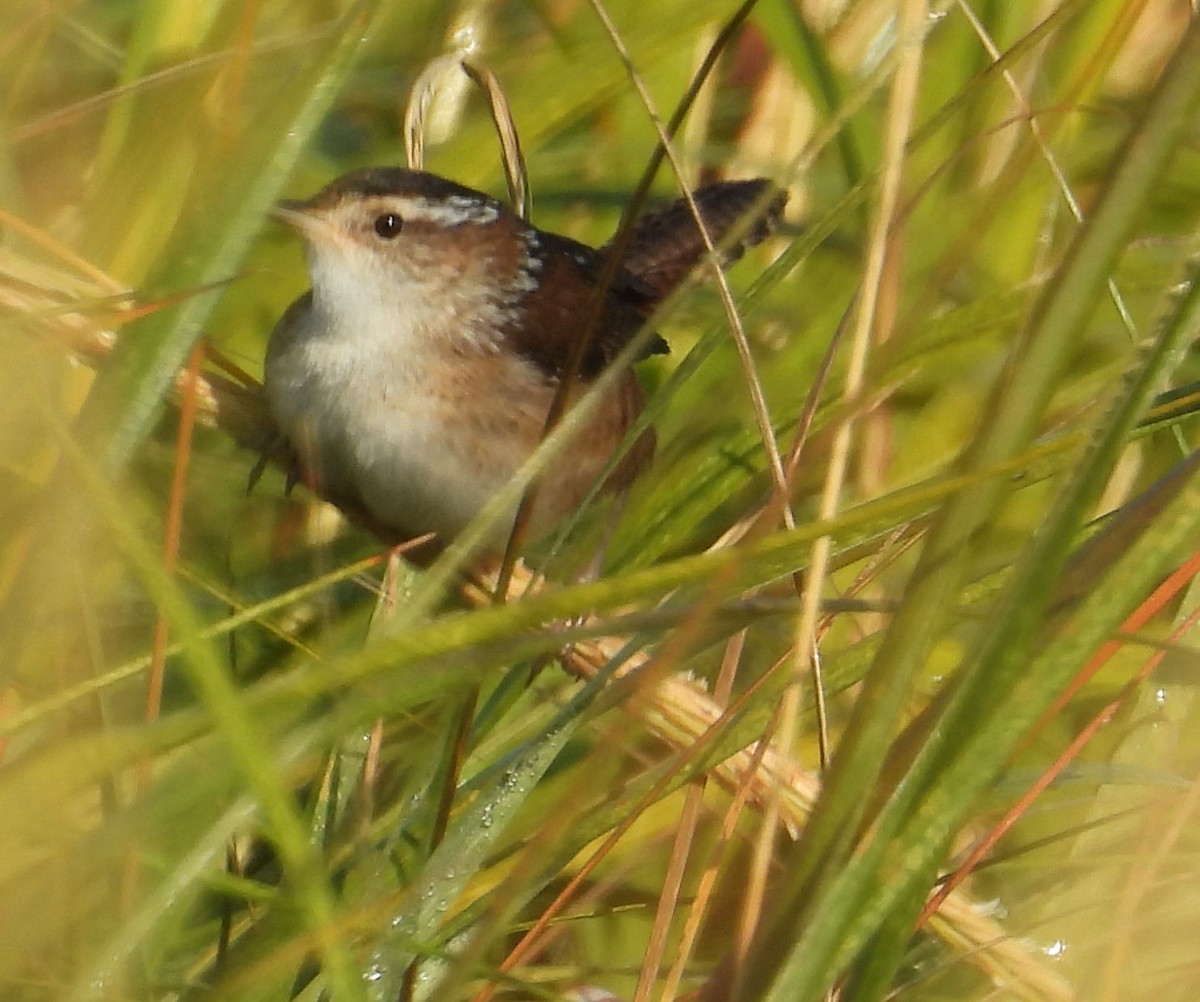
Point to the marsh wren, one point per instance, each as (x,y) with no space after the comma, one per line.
(415,377)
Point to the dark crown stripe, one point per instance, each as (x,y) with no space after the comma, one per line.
(398,181)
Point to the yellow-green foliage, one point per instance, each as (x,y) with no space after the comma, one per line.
(1010,241)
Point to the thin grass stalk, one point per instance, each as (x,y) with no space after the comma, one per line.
(1018,400)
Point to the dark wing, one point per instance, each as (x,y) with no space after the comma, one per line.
(554,317)
(663,249)
(666,245)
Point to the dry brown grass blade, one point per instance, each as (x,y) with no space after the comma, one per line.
(679,712)
(439,75)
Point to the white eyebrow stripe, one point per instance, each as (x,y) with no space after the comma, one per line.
(453,210)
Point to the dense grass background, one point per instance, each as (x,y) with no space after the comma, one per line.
(227,723)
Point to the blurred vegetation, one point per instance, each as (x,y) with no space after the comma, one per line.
(227,721)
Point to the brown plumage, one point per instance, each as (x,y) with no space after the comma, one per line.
(414,380)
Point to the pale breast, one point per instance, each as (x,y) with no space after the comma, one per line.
(424,443)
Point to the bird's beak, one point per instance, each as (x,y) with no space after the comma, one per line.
(301,217)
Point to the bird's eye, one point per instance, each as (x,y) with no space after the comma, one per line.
(388,225)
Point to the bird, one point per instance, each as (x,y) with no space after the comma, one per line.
(414,378)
